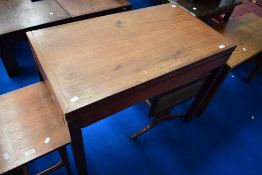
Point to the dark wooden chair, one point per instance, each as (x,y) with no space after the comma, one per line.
(161,105)
(206,9)
(30,127)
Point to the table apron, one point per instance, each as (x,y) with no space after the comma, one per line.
(84,117)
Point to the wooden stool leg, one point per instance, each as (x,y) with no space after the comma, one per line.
(65,160)
(255,69)
(258,64)
(252,73)
(9,59)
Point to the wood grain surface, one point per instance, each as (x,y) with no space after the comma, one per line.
(22,14)
(91,60)
(246,32)
(83,7)
(28,117)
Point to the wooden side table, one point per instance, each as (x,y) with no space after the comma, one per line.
(95,68)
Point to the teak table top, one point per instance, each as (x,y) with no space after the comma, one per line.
(82,7)
(246,32)
(92,60)
(30,126)
(22,14)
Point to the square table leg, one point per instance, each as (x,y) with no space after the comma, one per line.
(219,79)
(65,160)
(78,147)
(199,99)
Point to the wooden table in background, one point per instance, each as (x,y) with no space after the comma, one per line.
(78,8)
(97,67)
(246,32)
(20,16)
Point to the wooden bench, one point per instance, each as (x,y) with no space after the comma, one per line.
(246,32)
(30,126)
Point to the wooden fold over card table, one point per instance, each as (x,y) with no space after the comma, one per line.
(96,67)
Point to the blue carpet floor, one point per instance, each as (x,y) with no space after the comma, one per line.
(226,140)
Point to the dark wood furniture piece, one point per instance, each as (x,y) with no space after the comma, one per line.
(20,16)
(258,66)
(78,8)
(162,105)
(97,67)
(23,15)
(30,126)
(205,9)
(246,32)
(259,3)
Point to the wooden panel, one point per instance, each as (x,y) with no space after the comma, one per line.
(27,117)
(97,58)
(165,102)
(246,32)
(53,88)
(108,106)
(21,14)
(82,7)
